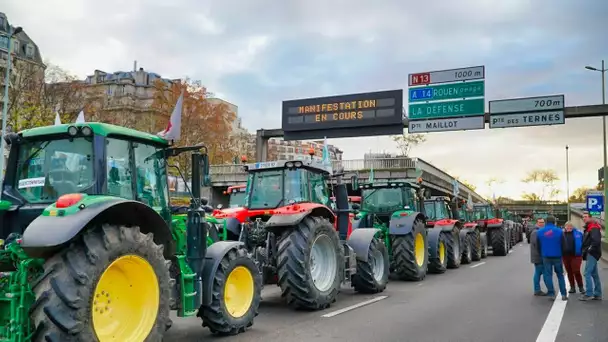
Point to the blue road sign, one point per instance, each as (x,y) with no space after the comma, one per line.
(595,201)
(421,94)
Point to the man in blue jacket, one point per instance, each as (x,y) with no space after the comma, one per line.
(550,241)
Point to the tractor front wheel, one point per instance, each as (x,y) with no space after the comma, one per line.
(236,295)
(410,253)
(111,284)
(439,263)
(452,240)
(476,245)
(499,237)
(372,275)
(467,253)
(310,264)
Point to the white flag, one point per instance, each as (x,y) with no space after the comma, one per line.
(80,118)
(57,119)
(174,127)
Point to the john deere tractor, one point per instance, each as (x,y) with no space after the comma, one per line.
(394,208)
(89,251)
(498,230)
(299,242)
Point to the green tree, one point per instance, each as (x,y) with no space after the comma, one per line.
(580,195)
(406,141)
(547,180)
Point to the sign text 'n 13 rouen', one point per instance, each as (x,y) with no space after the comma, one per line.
(353,115)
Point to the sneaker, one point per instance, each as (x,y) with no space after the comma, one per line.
(581,290)
(597,297)
(540,293)
(585,298)
(551,296)
(572,290)
(564,297)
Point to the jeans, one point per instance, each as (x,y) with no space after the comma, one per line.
(551,265)
(592,277)
(539,269)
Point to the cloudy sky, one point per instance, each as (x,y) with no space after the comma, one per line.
(257,53)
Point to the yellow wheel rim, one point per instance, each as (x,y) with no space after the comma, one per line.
(126,300)
(238,291)
(420,250)
(441,252)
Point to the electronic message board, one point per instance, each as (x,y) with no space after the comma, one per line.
(354,115)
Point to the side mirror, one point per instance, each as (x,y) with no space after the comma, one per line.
(219,207)
(356,206)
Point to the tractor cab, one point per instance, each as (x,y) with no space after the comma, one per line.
(237,195)
(439,208)
(381,201)
(484,214)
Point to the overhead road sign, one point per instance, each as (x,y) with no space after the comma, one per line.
(447,91)
(445,125)
(363,114)
(529,111)
(445,76)
(446,109)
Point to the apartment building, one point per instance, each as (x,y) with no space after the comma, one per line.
(280,149)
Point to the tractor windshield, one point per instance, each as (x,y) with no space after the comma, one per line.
(483,213)
(237,199)
(386,200)
(51,168)
(275,188)
(436,210)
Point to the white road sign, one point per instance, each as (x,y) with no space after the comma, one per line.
(444,76)
(527,119)
(526,105)
(445,125)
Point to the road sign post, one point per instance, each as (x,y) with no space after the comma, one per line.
(526,112)
(447,100)
(595,203)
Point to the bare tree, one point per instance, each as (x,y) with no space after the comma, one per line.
(406,141)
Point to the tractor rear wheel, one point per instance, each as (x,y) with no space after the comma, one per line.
(514,236)
(310,264)
(236,295)
(410,253)
(467,253)
(111,284)
(439,263)
(452,240)
(500,245)
(476,245)
(372,275)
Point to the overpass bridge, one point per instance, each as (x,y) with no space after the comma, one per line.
(438,181)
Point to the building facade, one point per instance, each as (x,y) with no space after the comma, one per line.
(279,149)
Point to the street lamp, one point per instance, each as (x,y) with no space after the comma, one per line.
(567,183)
(603,71)
(12,33)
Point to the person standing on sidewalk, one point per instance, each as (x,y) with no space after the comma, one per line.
(536,258)
(572,255)
(550,239)
(592,252)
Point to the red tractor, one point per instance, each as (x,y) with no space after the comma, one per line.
(497,230)
(237,195)
(463,245)
(479,245)
(299,241)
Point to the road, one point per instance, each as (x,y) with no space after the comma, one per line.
(488,301)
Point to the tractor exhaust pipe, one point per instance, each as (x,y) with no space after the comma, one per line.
(196,230)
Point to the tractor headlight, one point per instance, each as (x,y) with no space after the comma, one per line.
(298,164)
(289,165)
(72,130)
(86,131)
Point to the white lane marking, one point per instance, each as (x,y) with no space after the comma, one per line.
(551,327)
(511,251)
(352,307)
(481,263)
(420,284)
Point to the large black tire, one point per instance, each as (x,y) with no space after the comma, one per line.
(216,316)
(467,253)
(294,265)
(514,236)
(405,263)
(65,291)
(372,275)
(500,245)
(453,248)
(439,263)
(476,245)
(484,245)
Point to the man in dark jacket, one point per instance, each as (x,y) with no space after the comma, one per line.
(592,252)
(572,254)
(550,239)
(535,257)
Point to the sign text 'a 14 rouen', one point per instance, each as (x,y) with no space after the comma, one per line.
(528,111)
(447,100)
(353,115)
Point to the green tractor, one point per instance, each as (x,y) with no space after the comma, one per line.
(90,252)
(395,208)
